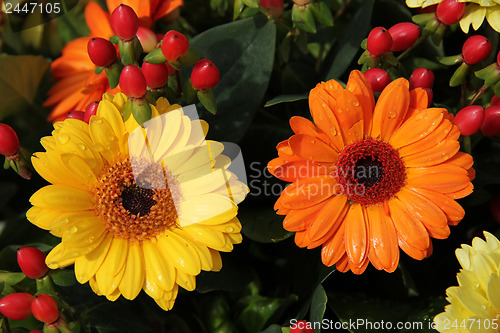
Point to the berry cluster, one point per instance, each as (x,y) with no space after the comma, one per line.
(43,306)
(157,74)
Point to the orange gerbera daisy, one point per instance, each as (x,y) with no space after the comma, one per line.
(77,84)
(369,178)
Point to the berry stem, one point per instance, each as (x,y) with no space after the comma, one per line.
(478,94)
(425,34)
(341,9)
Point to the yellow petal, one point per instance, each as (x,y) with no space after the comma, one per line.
(493,17)
(134,275)
(105,142)
(61,197)
(160,270)
(180,253)
(109,275)
(186,281)
(204,207)
(205,235)
(79,168)
(87,266)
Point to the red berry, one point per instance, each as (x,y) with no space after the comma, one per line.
(174,45)
(16,306)
(469,119)
(421,78)
(429,95)
(90,111)
(205,75)
(476,49)
(9,143)
(124,22)
(428,9)
(101,51)
(132,82)
(498,59)
(403,35)
(156,75)
(171,70)
(379,41)
(147,38)
(378,78)
(32,262)
(44,308)
(491,122)
(80,115)
(274,7)
(36,331)
(495,208)
(302,326)
(495,101)
(450,11)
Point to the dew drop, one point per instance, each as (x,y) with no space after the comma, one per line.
(96,120)
(64,221)
(323,105)
(90,239)
(355,103)
(53,265)
(72,229)
(153,240)
(313,142)
(476,285)
(229,229)
(392,114)
(333,131)
(98,147)
(63,138)
(81,146)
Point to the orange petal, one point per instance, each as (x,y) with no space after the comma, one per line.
(359,86)
(324,117)
(343,264)
(300,239)
(313,149)
(461,193)
(166,7)
(428,141)
(441,152)
(334,248)
(356,233)
(295,170)
(416,127)
(302,125)
(383,238)
(444,178)
(301,219)
(426,212)
(329,217)
(453,211)
(418,101)
(410,230)
(391,109)
(412,251)
(362,267)
(346,108)
(462,159)
(307,192)
(98,21)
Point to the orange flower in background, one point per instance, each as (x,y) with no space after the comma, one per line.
(77,85)
(371,177)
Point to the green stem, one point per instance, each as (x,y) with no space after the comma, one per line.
(478,94)
(341,9)
(420,40)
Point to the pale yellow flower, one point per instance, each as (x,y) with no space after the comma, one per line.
(475,302)
(475,12)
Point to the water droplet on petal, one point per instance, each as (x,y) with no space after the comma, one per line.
(392,114)
(229,229)
(72,229)
(81,146)
(96,120)
(63,138)
(313,142)
(323,105)
(64,221)
(333,131)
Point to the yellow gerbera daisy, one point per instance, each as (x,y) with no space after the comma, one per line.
(475,302)
(475,12)
(137,208)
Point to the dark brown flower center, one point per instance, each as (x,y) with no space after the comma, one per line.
(370,171)
(138,207)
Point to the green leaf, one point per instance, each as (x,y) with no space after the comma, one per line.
(11,278)
(207,99)
(286,98)
(243,51)
(238,7)
(459,75)
(261,224)
(318,305)
(347,46)
(251,3)
(20,77)
(257,310)
(63,278)
(322,13)
(189,58)
(155,57)
(451,60)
